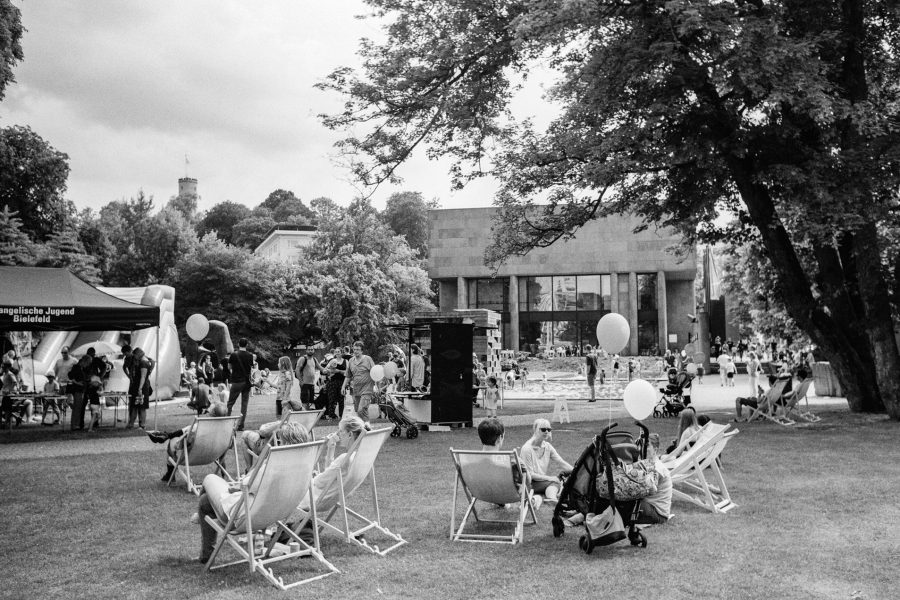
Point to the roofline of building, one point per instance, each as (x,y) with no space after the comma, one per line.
(286,229)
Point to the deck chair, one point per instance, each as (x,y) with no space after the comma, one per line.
(269,495)
(490,477)
(690,462)
(791,406)
(208,443)
(307,418)
(333,492)
(767,408)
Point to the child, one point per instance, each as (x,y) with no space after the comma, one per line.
(285,382)
(491,395)
(730,370)
(223,393)
(543,383)
(51,388)
(615,368)
(524,376)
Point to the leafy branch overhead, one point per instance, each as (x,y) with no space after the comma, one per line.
(783,114)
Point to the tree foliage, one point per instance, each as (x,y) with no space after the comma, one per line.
(16,248)
(406,213)
(261,300)
(65,250)
(33,180)
(784,113)
(11,31)
(222,218)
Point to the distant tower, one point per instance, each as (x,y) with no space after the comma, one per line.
(187,186)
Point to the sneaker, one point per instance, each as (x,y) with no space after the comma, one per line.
(536,502)
(195,520)
(158,437)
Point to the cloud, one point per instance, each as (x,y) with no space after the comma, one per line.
(127,87)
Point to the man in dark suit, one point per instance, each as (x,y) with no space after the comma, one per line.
(240,363)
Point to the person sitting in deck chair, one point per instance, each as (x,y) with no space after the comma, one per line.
(766,402)
(536,454)
(491,432)
(174,448)
(219,497)
(255,440)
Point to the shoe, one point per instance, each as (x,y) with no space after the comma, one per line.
(202,559)
(591,400)
(129,426)
(536,502)
(195,520)
(158,437)
(167,474)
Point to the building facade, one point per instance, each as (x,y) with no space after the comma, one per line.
(553,297)
(285,243)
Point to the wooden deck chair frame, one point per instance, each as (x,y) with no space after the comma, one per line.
(690,462)
(793,405)
(281,479)
(361,466)
(500,488)
(205,448)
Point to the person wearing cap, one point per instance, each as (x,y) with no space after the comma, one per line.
(51,390)
(61,368)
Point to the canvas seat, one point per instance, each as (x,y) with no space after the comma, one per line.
(490,477)
(269,495)
(792,408)
(307,418)
(690,462)
(336,486)
(768,406)
(207,444)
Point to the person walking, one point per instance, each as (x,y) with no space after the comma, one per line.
(61,369)
(337,371)
(753,367)
(359,381)
(307,372)
(240,365)
(139,389)
(591,371)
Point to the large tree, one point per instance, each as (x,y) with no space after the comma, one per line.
(784,113)
(33,180)
(16,248)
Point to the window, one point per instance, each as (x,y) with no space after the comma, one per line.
(593,292)
(646,288)
(540,293)
(492,294)
(564,293)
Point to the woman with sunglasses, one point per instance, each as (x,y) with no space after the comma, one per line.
(537,454)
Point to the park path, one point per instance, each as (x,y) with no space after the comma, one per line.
(708,398)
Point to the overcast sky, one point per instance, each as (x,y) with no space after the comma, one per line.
(127,88)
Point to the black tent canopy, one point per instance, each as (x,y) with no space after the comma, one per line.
(47,299)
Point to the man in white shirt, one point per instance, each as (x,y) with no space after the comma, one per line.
(723,361)
(61,369)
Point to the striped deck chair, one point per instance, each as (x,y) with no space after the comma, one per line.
(490,477)
(206,444)
(690,462)
(270,493)
(336,484)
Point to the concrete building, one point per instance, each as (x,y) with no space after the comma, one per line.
(285,242)
(555,296)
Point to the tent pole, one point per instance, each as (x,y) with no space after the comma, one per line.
(156,383)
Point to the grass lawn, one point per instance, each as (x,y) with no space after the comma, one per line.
(817,517)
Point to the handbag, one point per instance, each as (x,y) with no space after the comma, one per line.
(606,528)
(630,481)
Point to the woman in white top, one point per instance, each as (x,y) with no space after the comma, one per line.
(537,454)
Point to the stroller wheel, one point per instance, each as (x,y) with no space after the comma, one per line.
(656,413)
(396,431)
(586,545)
(558,527)
(412,432)
(638,539)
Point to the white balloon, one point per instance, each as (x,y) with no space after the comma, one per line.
(691,368)
(613,332)
(376,373)
(197,327)
(390,369)
(640,399)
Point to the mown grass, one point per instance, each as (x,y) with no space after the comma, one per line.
(817,517)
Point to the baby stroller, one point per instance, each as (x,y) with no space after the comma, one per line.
(672,401)
(580,494)
(399,415)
